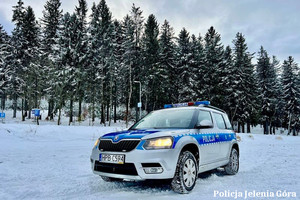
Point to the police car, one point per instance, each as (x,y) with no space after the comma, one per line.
(176,143)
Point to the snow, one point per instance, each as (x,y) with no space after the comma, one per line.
(52,162)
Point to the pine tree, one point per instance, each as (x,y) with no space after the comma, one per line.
(279,105)
(17,41)
(116,66)
(291,94)
(245,87)
(129,47)
(67,68)
(213,65)
(196,67)
(268,91)
(4,38)
(167,63)
(93,54)
(184,56)
(50,27)
(31,62)
(81,51)
(151,71)
(230,81)
(105,33)
(63,71)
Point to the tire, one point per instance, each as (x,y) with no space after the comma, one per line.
(233,166)
(186,173)
(109,179)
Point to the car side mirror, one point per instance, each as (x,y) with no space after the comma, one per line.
(204,124)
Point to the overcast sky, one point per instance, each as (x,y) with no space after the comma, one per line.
(271,23)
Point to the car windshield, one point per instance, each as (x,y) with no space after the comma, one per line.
(166,119)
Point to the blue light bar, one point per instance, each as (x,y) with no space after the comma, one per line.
(168,106)
(197,103)
(180,104)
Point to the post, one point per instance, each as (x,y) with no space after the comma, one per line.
(140,99)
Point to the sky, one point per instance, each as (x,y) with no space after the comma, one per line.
(271,23)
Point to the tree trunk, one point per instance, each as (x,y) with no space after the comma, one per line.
(102,114)
(93,110)
(239,127)
(79,109)
(115,110)
(243,127)
(50,108)
(59,110)
(110,103)
(129,97)
(3,101)
(266,127)
(107,112)
(248,127)
(22,113)
(36,92)
(71,112)
(115,103)
(59,114)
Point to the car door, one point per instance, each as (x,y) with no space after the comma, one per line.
(208,143)
(223,134)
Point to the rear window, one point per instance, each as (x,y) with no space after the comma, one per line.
(204,115)
(220,120)
(227,122)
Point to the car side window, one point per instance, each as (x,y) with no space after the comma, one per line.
(220,121)
(204,115)
(227,122)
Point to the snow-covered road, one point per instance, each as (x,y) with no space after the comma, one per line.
(52,162)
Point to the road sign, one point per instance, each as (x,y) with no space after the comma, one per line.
(139,104)
(36,112)
(2,115)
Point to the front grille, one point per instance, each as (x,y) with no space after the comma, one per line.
(124,169)
(122,146)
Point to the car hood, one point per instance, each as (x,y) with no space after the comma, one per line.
(142,133)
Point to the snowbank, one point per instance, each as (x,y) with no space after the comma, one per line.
(52,162)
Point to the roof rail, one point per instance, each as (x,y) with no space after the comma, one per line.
(212,107)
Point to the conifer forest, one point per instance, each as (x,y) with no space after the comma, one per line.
(88,64)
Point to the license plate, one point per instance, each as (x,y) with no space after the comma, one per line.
(112,158)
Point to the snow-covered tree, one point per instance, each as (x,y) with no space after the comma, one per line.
(31,60)
(4,43)
(267,82)
(291,94)
(245,85)
(167,63)
(230,81)
(213,64)
(129,47)
(196,67)
(150,69)
(81,53)
(50,27)
(184,57)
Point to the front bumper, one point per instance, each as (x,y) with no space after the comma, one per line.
(167,158)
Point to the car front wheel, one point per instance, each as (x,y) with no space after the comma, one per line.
(186,173)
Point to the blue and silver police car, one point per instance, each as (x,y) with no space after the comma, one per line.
(176,143)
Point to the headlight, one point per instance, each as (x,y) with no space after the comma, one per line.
(96,143)
(159,143)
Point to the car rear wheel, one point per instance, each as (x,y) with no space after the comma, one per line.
(233,166)
(109,179)
(186,173)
